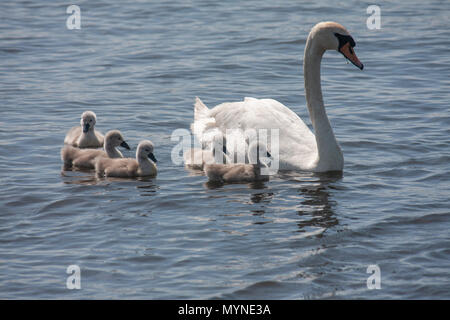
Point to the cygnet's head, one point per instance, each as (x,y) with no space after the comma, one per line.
(114,138)
(257,153)
(333,36)
(88,120)
(145,150)
(218,147)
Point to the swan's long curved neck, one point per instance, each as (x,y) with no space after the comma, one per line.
(329,152)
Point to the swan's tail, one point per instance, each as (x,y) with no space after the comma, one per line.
(200,110)
(204,127)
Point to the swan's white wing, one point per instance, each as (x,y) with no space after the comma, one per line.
(297,145)
(296,141)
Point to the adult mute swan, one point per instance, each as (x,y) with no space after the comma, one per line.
(85,158)
(299,148)
(85,136)
(242,172)
(144,164)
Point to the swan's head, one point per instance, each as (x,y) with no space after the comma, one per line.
(114,138)
(257,153)
(145,150)
(333,36)
(88,120)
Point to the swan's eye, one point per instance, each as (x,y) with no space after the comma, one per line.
(343,39)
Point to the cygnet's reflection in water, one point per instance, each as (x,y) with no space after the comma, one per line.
(147,189)
(145,185)
(73,176)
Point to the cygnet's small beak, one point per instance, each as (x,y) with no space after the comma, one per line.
(86,127)
(267,159)
(152,157)
(125,145)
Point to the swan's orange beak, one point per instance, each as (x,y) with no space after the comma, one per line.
(350,54)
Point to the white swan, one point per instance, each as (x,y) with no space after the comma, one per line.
(85,158)
(196,158)
(85,136)
(299,148)
(144,164)
(241,172)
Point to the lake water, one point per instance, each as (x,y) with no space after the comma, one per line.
(139,66)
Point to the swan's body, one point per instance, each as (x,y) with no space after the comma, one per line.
(85,136)
(240,172)
(299,148)
(85,158)
(143,166)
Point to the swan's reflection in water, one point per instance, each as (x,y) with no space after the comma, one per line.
(304,193)
(300,198)
(316,207)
